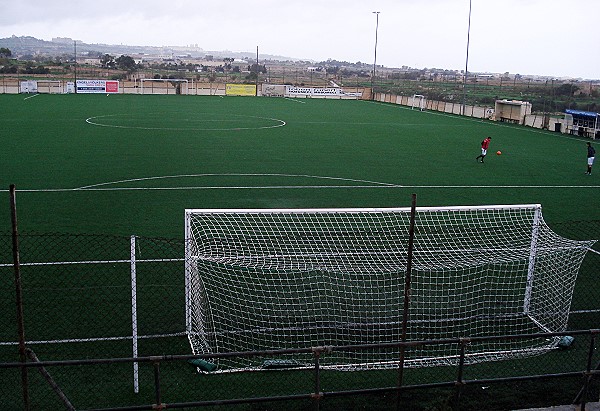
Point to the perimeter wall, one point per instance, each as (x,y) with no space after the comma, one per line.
(541,121)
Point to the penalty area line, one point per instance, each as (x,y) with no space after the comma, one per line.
(294,100)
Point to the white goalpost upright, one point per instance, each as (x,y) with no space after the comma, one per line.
(569,123)
(288,278)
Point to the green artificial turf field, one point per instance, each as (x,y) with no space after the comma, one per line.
(131,164)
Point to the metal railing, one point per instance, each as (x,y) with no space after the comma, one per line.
(585,370)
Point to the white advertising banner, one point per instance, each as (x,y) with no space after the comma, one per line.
(313,91)
(318,92)
(97,86)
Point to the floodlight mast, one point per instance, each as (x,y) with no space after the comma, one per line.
(375,58)
(466,63)
(75,64)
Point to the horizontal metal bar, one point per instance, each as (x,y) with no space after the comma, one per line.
(355,210)
(156,260)
(308,350)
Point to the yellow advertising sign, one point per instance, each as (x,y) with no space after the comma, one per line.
(240,89)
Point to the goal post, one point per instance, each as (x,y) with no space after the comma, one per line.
(51,86)
(271,279)
(163,86)
(419,102)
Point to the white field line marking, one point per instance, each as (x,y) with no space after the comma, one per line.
(235,175)
(380,124)
(281,123)
(99,186)
(295,100)
(92,339)
(287,187)
(27,98)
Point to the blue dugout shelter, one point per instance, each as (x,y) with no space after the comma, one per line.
(585,123)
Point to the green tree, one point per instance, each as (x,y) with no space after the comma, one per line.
(254,68)
(5,52)
(566,89)
(126,63)
(332,70)
(12,69)
(107,61)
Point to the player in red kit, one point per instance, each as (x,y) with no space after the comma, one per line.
(484,147)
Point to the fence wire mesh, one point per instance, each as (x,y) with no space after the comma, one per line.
(80,302)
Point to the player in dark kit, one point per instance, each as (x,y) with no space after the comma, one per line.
(590,158)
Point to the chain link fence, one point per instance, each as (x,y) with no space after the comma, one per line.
(110,297)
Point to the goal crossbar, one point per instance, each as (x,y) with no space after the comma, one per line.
(356,210)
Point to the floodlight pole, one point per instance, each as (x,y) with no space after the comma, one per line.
(466,63)
(375,58)
(75,64)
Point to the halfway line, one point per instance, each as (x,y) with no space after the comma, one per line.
(289,187)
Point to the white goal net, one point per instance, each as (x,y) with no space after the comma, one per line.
(277,279)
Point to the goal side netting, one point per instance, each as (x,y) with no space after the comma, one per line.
(277,279)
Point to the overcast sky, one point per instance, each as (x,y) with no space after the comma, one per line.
(545,37)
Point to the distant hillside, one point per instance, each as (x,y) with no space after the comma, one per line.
(30,46)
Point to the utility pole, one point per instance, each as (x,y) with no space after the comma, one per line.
(466,64)
(375,58)
(75,64)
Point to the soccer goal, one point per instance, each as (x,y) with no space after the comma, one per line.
(419,102)
(287,278)
(569,123)
(163,86)
(50,86)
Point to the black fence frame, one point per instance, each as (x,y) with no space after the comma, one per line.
(29,360)
(587,373)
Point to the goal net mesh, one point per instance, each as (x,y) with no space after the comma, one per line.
(277,279)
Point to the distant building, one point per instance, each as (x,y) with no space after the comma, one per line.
(89,61)
(64,40)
